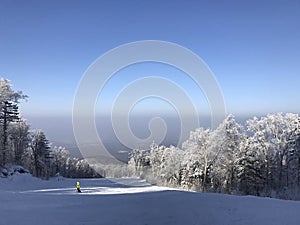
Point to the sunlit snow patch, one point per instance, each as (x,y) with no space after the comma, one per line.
(99,190)
(129,190)
(113,186)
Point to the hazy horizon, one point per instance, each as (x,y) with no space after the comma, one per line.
(64,136)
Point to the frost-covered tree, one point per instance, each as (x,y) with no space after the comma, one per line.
(139,162)
(39,152)
(293,159)
(274,138)
(249,169)
(156,159)
(31,149)
(171,165)
(7,94)
(198,157)
(8,113)
(226,145)
(18,140)
(259,143)
(263,159)
(64,165)
(59,162)
(80,168)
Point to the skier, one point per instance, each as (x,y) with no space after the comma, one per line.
(78,186)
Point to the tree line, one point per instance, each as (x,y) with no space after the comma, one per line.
(261,158)
(21,145)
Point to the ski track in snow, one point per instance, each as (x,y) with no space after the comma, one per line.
(27,201)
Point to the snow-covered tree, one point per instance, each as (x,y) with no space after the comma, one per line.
(60,158)
(18,140)
(8,113)
(31,149)
(40,154)
(263,159)
(7,94)
(62,164)
(139,162)
(171,165)
(198,157)
(156,159)
(226,145)
(249,170)
(274,138)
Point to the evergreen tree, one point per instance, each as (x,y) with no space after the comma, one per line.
(9,100)
(9,113)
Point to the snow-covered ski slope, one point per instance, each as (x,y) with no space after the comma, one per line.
(28,201)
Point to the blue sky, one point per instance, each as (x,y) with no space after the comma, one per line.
(252,47)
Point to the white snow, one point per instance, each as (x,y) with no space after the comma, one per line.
(26,200)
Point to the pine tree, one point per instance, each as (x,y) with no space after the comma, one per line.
(9,100)
(9,113)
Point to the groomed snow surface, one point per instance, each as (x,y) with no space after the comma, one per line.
(26,200)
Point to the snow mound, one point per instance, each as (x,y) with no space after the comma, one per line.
(22,178)
(11,170)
